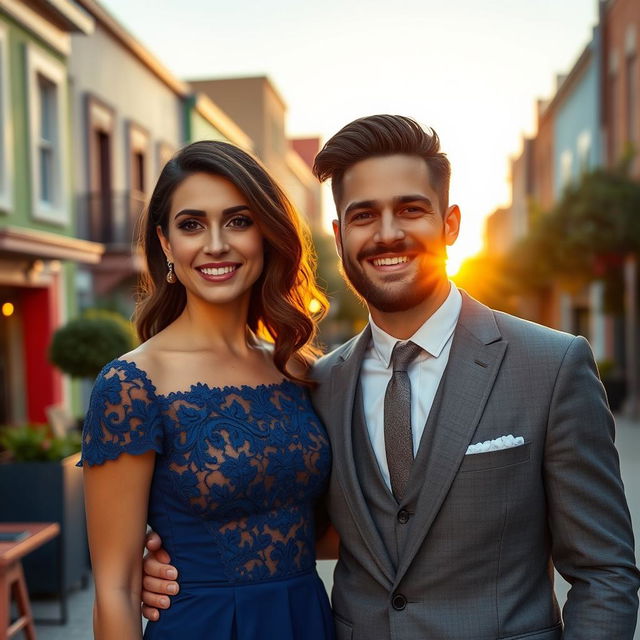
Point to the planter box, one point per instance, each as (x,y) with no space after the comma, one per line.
(49,492)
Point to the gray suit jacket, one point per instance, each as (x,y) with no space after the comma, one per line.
(487,529)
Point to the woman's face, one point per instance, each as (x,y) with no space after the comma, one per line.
(213,240)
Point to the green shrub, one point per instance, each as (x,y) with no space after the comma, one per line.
(84,345)
(125,324)
(34,442)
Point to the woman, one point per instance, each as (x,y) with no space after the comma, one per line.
(203,431)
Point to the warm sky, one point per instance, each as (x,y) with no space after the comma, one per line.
(472,69)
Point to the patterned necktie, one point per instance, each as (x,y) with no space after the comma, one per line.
(397,418)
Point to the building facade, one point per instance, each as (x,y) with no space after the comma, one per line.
(591,121)
(620,20)
(620,101)
(39,253)
(128,121)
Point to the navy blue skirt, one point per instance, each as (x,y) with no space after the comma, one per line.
(294,608)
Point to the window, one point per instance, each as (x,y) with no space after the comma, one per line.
(47,135)
(138,173)
(584,151)
(138,148)
(48,99)
(6,160)
(99,223)
(566,168)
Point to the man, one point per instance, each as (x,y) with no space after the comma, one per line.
(472,450)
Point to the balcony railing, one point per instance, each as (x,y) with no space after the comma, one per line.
(110,217)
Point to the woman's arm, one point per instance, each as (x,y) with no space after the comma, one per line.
(116,498)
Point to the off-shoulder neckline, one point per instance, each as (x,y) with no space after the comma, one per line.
(284,382)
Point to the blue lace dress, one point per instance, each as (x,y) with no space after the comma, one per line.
(237,473)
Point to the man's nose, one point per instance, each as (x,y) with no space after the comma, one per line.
(389,229)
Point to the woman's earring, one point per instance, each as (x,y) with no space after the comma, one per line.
(171,276)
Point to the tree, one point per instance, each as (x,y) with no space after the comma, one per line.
(586,235)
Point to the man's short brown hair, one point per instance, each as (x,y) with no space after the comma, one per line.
(382,135)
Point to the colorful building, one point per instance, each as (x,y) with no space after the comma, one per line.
(132,114)
(39,253)
(620,21)
(591,121)
(204,120)
(620,100)
(128,121)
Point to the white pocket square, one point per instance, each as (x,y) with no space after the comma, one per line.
(504,442)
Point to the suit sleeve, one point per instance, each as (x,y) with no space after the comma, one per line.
(592,540)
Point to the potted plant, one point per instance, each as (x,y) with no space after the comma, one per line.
(38,467)
(41,484)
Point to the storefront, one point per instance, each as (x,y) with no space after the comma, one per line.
(36,272)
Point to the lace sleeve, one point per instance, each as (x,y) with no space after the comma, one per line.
(123,417)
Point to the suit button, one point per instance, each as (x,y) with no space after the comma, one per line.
(398,602)
(403,516)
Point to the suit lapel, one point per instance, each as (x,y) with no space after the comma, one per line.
(474,361)
(344,380)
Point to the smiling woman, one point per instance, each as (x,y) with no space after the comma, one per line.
(212,240)
(204,431)
(278,303)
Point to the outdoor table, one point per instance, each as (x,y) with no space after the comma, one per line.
(33,535)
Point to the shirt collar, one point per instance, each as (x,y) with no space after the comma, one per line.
(432,336)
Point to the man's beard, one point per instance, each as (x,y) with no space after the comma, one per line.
(387,298)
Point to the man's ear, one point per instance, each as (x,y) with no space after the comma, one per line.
(338,238)
(452,224)
(164,243)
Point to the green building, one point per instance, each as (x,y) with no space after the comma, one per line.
(38,251)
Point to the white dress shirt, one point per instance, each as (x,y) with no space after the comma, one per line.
(425,372)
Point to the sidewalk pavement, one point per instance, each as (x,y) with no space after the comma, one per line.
(81,601)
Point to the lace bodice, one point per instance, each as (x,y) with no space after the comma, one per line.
(243,464)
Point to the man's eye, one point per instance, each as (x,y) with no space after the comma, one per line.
(361,216)
(240,222)
(411,209)
(189,225)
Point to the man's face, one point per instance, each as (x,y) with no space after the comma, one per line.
(391,233)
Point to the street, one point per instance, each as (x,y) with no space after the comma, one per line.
(628,442)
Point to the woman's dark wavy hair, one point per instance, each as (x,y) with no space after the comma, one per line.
(382,135)
(279,304)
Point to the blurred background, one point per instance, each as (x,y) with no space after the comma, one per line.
(537,105)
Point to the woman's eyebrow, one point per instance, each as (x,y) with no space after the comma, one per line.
(199,213)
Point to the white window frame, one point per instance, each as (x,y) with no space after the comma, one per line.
(566,168)
(584,151)
(6,128)
(40,64)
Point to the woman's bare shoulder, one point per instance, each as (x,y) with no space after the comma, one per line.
(150,356)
